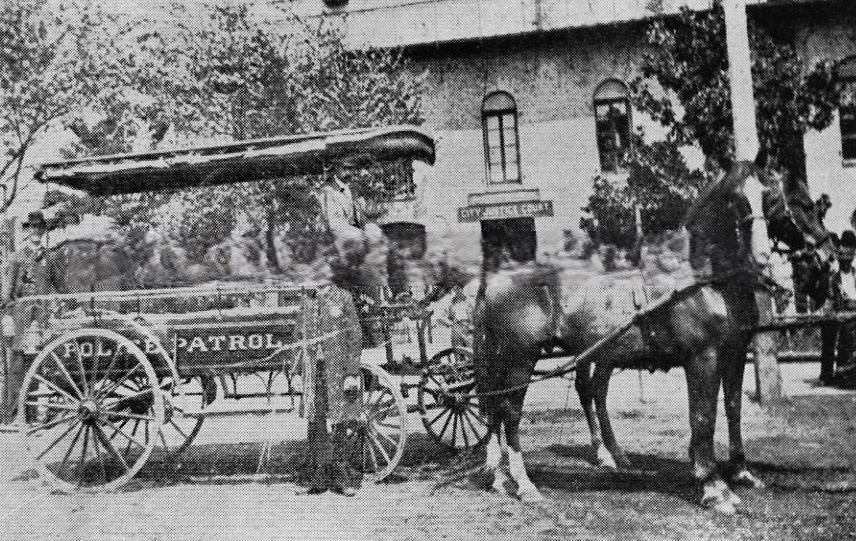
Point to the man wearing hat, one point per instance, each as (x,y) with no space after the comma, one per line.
(27,278)
(844,299)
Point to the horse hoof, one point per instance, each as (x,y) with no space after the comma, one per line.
(724,508)
(719,498)
(747,479)
(530,495)
(605,459)
(733,498)
(623,462)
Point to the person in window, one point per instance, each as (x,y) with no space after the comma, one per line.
(844,299)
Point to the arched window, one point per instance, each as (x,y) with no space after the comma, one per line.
(847,115)
(501,141)
(612,120)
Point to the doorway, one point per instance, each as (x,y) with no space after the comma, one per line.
(508,240)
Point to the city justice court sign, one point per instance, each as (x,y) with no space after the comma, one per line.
(502,211)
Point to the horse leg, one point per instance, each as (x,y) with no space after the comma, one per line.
(732,383)
(513,413)
(495,448)
(612,456)
(583,385)
(703,381)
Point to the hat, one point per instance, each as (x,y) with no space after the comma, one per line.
(847,245)
(35,219)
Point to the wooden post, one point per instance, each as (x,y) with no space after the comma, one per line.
(740,77)
(768,378)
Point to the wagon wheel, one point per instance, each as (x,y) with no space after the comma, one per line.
(181,425)
(447,400)
(386,423)
(85,426)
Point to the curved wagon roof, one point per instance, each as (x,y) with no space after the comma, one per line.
(240,161)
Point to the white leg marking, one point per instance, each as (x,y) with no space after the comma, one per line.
(494,452)
(526,490)
(715,496)
(605,458)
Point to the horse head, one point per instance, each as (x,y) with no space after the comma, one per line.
(729,222)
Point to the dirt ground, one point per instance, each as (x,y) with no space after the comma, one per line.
(805,451)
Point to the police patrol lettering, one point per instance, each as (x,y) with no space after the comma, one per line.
(188,344)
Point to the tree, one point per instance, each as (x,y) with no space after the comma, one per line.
(690,62)
(231,76)
(55,61)
(684,86)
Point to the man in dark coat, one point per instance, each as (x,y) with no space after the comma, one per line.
(28,278)
(837,365)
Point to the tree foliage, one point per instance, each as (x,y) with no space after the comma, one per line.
(690,62)
(55,62)
(229,75)
(684,86)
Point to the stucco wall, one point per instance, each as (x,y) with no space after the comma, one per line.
(553,81)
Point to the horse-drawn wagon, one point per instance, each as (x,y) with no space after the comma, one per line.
(119,375)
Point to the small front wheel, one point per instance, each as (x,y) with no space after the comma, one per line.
(90,410)
(447,400)
(386,423)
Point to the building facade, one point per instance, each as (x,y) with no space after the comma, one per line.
(528,100)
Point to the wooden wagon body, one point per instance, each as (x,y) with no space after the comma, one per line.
(114,375)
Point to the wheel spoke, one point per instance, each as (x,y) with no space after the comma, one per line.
(126,415)
(110,367)
(121,425)
(387,437)
(464,431)
(381,414)
(98,453)
(56,388)
(111,449)
(163,441)
(82,368)
(56,441)
(372,453)
(65,373)
(180,431)
(446,424)
(82,466)
(119,400)
(52,405)
(121,381)
(70,449)
(437,417)
(468,418)
(380,448)
(130,438)
(454,428)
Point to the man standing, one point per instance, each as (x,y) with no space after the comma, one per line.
(28,277)
(844,299)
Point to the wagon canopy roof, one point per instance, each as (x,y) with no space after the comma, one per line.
(243,161)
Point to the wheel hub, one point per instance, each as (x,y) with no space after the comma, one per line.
(88,410)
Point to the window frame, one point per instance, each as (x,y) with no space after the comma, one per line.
(500,114)
(617,166)
(850,110)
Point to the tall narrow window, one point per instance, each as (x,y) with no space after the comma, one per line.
(501,141)
(847,115)
(612,119)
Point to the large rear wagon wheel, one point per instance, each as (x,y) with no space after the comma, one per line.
(447,400)
(386,423)
(183,417)
(85,424)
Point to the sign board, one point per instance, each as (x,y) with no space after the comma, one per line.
(502,211)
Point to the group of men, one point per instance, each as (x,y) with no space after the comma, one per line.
(838,289)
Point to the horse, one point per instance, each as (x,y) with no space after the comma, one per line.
(704,328)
